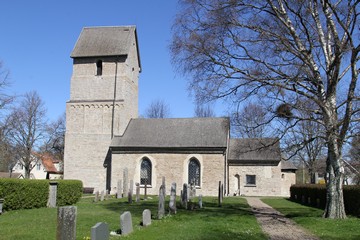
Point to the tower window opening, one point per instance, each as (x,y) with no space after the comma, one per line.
(99,68)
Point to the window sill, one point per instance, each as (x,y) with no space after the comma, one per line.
(250,185)
(147,186)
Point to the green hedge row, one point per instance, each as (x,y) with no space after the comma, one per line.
(315,195)
(28,193)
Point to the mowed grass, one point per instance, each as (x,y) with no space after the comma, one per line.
(311,219)
(233,220)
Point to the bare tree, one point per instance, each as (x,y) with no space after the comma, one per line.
(250,121)
(281,51)
(158,109)
(28,129)
(5,99)
(55,138)
(202,111)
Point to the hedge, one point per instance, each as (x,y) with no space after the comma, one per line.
(315,195)
(29,193)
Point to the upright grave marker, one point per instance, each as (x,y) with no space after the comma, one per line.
(119,189)
(126,223)
(126,182)
(100,231)
(52,195)
(161,207)
(172,203)
(146,216)
(66,223)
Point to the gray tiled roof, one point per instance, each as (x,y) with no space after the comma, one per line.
(287,165)
(104,41)
(254,149)
(174,133)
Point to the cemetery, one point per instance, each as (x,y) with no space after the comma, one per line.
(136,215)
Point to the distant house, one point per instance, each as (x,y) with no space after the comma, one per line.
(45,167)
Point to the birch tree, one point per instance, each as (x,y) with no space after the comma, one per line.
(285,53)
(28,129)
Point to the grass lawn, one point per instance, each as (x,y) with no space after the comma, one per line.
(311,219)
(232,221)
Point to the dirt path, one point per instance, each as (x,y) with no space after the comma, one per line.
(275,224)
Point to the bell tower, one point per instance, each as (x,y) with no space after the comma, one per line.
(103,99)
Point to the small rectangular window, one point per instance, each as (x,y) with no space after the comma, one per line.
(251,180)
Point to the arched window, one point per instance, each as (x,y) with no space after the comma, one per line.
(145,172)
(99,68)
(194,172)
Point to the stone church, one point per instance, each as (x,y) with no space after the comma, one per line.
(104,135)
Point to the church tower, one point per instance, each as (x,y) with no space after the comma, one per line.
(103,99)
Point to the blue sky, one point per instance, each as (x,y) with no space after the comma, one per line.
(38,36)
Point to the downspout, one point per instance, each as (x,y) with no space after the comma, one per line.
(113,107)
(227,164)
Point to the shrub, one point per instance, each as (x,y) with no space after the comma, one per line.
(317,195)
(68,192)
(24,194)
(29,193)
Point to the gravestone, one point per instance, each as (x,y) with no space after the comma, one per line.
(131,190)
(100,231)
(220,194)
(163,183)
(137,192)
(96,196)
(184,198)
(146,217)
(102,195)
(119,189)
(66,223)
(126,182)
(172,203)
(145,192)
(52,195)
(1,205)
(161,207)
(200,201)
(126,223)
(192,191)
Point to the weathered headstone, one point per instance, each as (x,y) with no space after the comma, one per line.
(52,195)
(131,190)
(100,231)
(96,196)
(220,194)
(1,205)
(192,191)
(126,223)
(184,198)
(172,203)
(146,217)
(145,192)
(102,195)
(66,223)
(126,182)
(200,201)
(164,184)
(119,189)
(161,207)
(137,192)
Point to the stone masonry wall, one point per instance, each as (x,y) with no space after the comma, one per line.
(268,180)
(174,167)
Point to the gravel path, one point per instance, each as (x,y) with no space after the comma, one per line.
(275,224)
